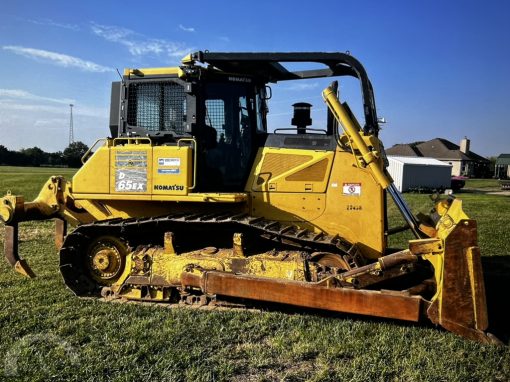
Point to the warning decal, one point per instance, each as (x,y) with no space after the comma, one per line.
(131,171)
(353,189)
(169,162)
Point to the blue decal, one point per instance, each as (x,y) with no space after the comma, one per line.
(168,171)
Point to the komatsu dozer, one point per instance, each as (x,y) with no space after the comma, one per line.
(192,200)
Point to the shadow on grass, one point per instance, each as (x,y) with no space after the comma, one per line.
(497,287)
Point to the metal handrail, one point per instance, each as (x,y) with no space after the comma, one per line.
(89,151)
(295,129)
(194,142)
(130,139)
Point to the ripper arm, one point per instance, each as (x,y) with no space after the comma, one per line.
(49,204)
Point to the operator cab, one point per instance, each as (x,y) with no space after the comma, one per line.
(223,113)
(228,132)
(222,108)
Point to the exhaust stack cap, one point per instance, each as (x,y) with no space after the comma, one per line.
(301,118)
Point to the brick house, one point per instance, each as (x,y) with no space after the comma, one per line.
(463,161)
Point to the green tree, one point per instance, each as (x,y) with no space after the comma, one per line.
(56,159)
(4,155)
(74,152)
(35,156)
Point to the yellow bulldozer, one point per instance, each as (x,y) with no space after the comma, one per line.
(192,200)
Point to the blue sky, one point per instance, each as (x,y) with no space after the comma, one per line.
(439,68)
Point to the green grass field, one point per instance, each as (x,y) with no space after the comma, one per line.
(49,334)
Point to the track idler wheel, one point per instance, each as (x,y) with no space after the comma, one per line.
(105,259)
(90,264)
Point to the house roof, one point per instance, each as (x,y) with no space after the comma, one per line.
(442,149)
(438,148)
(503,159)
(405,150)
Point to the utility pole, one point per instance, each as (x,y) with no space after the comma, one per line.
(71,132)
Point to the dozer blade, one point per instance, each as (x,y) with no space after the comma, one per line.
(460,305)
(307,295)
(11,251)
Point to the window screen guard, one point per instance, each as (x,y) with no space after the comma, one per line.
(157,106)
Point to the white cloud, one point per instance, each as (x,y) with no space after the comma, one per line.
(24,95)
(42,121)
(59,59)
(186,29)
(87,111)
(51,23)
(52,123)
(138,44)
(49,133)
(46,125)
(111,33)
(21,100)
(22,107)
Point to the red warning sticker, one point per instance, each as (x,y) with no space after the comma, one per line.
(353,189)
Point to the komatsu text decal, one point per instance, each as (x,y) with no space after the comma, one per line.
(168,187)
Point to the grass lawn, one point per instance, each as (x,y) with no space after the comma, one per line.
(481,185)
(49,334)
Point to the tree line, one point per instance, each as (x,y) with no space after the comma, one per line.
(34,156)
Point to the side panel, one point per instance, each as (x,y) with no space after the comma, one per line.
(301,209)
(429,176)
(94,176)
(172,170)
(396,170)
(339,198)
(355,206)
(147,170)
(292,170)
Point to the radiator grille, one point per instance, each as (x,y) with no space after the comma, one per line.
(314,173)
(277,164)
